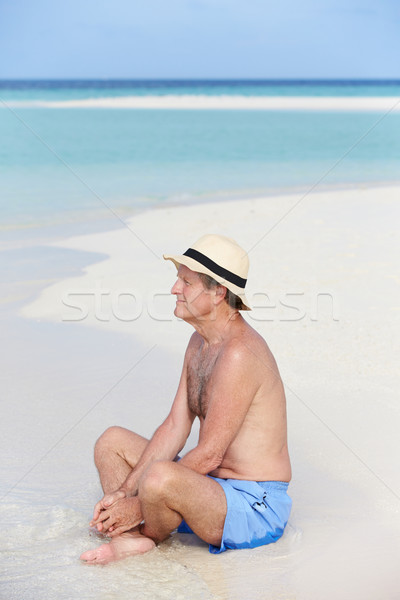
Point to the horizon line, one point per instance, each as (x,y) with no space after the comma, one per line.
(203,80)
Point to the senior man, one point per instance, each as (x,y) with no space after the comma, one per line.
(231,489)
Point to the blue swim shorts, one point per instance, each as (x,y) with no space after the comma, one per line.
(257,513)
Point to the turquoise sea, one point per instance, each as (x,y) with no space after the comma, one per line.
(72,165)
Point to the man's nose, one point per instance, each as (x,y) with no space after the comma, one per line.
(176,288)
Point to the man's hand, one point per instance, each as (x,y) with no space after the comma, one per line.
(106,502)
(124,514)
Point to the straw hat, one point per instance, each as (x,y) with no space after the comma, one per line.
(221,258)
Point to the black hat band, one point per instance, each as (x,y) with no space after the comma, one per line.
(215,268)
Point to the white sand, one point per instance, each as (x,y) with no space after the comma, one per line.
(325,280)
(220,102)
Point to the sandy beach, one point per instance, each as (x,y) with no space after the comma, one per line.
(102,347)
(228,102)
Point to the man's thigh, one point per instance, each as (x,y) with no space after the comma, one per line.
(200,500)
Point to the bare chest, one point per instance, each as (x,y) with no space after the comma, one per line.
(200,373)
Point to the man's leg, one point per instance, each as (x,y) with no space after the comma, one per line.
(171,491)
(116,453)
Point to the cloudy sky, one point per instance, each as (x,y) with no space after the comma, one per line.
(199,39)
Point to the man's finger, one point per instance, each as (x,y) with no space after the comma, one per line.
(118,530)
(106,502)
(97,510)
(103,516)
(105,524)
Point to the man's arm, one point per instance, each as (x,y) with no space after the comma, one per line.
(234,386)
(167,441)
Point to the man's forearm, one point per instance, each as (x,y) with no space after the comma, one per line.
(201,460)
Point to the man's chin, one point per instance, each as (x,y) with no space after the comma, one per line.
(179,310)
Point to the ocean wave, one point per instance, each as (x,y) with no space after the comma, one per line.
(227,102)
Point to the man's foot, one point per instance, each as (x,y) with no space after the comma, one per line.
(126,544)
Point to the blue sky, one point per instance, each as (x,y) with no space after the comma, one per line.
(199,39)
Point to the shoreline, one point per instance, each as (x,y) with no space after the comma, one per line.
(222,102)
(102,219)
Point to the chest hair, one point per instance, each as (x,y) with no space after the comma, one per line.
(200,372)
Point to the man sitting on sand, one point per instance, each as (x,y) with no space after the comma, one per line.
(231,489)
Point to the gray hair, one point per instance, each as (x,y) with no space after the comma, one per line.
(230,298)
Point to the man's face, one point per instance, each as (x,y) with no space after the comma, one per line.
(193,301)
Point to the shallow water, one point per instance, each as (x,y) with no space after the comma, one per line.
(71,164)
(41,561)
(329,555)
(43,542)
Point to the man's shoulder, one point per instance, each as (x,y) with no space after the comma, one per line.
(249,349)
(247,339)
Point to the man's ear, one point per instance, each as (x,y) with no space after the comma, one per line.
(220,293)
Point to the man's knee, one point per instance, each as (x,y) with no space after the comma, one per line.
(157,480)
(109,441)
